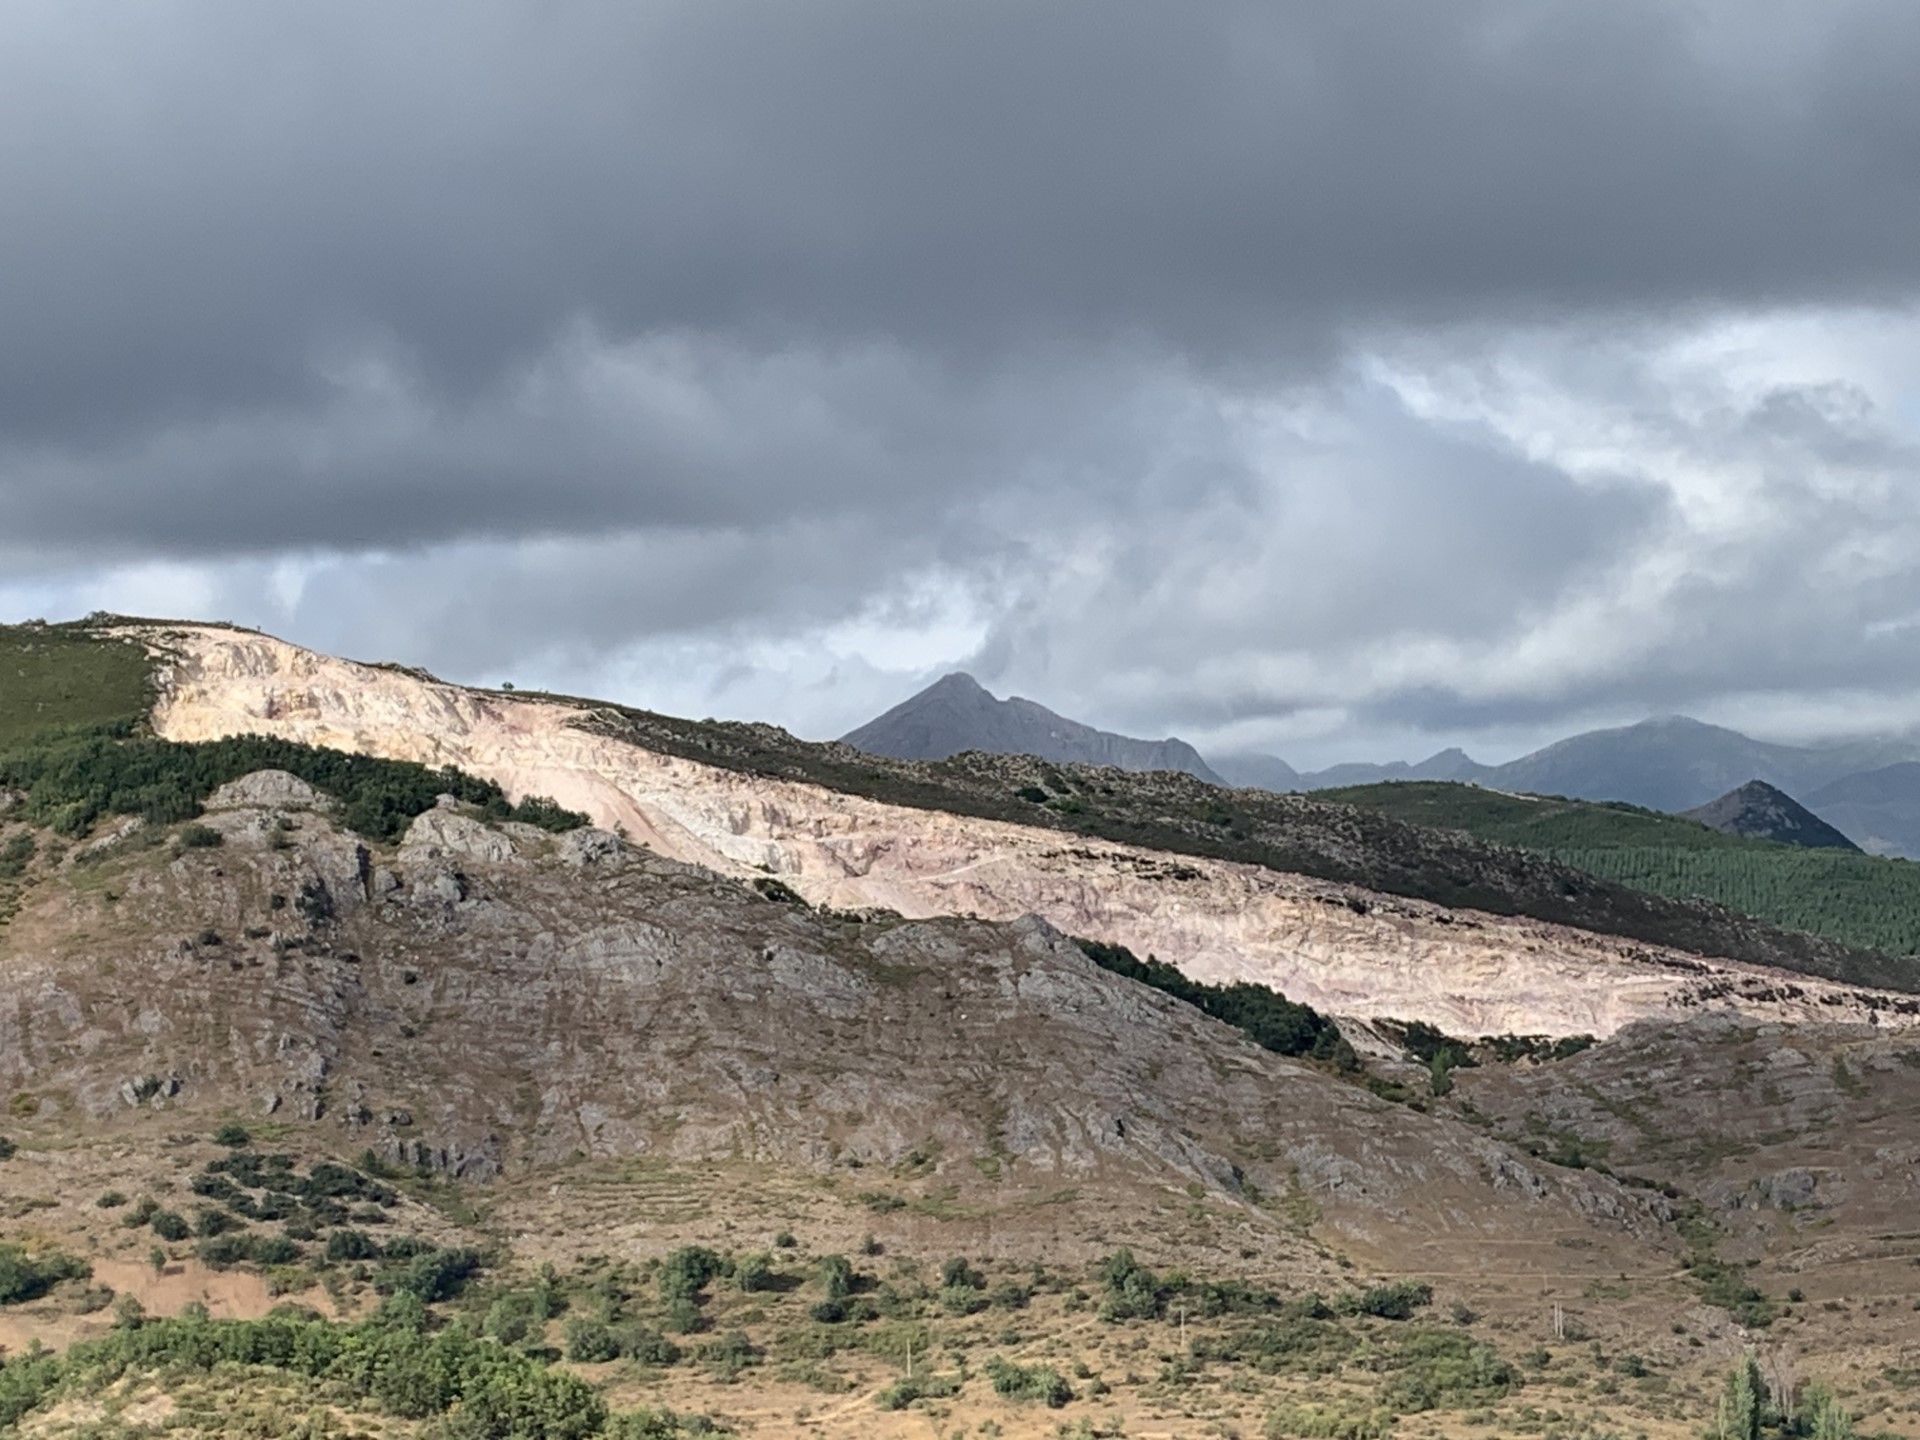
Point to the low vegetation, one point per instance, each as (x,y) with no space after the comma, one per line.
(1264,1015)
(449,1348)
(390,1363)
(74,778)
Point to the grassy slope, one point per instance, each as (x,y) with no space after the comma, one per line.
(1856,899)
(58,675)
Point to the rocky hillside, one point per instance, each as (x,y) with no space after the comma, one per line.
(482,999)
(803,1074)
(614,1057)
(956,714)
(1273,889)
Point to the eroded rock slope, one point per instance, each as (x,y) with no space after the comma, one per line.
(1334,946)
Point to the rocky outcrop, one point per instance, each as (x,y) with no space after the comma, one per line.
(1336,947)
(267,790)
(442,833)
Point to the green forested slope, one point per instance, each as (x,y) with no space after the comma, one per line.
(1859,899)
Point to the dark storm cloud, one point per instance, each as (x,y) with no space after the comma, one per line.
(1198,365)
(219,216)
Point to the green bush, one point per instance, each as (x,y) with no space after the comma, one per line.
(1028,1382)
(755,1272)
(905,1391)
(26,1277)
(682,1315)
(590,1342)
(1726,1285)
(836,1277)
(1397,1301)
(1296,1344)
(1321,1422)
(430,1276)
(961,1300)
(687,1271)
(15,856)
(348,1245)
(658,1425)
(646,1345)
(201,837)
(510,1319)
(958,1272)
(209,1223)
(224,1251)
(728,1355)
(1131,1291)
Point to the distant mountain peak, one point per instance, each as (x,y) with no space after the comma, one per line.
(957,713)
(1759,811)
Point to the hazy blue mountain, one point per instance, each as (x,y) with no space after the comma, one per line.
(1867,790)
(956,713)
(1759,811)
(1453,764)
(1257,772)
(1671,763)
(1676,764)
(1879,808)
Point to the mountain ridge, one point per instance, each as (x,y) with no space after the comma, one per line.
(1671,763)
(956,714)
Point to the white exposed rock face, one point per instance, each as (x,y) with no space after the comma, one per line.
(1467,972)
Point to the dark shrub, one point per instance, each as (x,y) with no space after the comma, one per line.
(590,1342)
(27,1277)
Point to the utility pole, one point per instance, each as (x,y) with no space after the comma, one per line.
(1559,1322)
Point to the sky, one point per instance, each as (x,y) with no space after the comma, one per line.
(1337,381)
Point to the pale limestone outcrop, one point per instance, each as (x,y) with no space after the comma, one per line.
(443,834)
(267,790)
(1467,972)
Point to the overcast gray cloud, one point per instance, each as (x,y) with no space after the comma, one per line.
(1333,378)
